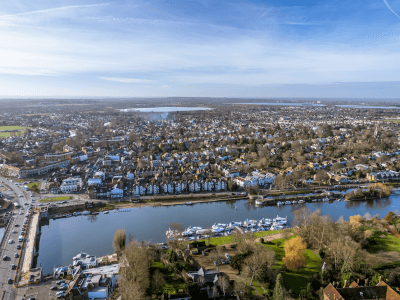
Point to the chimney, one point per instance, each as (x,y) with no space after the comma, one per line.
(345,283)
(380,278)
(358,280)
(366,282)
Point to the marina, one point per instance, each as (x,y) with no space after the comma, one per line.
(62,238)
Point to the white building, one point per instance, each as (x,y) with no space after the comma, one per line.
(71,184)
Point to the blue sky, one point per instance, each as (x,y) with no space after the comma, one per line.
(275,48)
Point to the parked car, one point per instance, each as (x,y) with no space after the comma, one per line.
(60,281)
(5,257)
(16,255)
(54,287)
(9,280)
(12,267)
(18,246)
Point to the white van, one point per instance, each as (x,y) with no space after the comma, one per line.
(20,238)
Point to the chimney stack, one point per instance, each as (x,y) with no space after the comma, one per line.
(358,280)
(380,278)
(345,283)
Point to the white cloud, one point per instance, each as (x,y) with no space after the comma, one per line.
(126,80)
(52,10)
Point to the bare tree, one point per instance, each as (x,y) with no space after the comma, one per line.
(254,263)
(224,284)
(134,273)
(119,240)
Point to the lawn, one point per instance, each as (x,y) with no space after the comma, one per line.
(295,280)
(388,243)
(62,198)
(228,239)
(7,134)
(33,186)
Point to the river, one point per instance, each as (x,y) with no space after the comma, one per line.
(62,239)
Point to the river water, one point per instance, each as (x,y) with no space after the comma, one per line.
(62,239)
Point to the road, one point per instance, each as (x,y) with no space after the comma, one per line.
(15,194)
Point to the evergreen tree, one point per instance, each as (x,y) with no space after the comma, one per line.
(278,290)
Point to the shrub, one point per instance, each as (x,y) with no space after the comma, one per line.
(262,240)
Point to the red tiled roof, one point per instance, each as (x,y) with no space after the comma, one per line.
(332,293)
(390,294)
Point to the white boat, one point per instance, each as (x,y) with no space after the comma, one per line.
(218,230)
(106,212)
(301,201)
(278,218)
(86,213)
(314,200)
(294,201)
(77,213)
(288,202)
(201,231)
(259,202)
(325,199)
(189,203)
(280,203)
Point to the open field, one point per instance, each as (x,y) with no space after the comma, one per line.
(62,198)
(8,134)
(392,120)
(11,128)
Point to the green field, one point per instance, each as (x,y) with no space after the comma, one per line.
(8,134)
(62,198)
(295,280)
(229,239)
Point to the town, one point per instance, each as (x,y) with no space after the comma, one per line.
(60,159)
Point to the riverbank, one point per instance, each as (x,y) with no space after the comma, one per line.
(171,201)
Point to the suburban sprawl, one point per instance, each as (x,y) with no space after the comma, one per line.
(87,160)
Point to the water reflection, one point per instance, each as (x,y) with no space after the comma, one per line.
(92,218)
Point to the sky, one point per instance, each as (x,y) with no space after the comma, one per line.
(200,48)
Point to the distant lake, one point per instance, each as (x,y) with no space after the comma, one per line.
(62,239)
(164,109)
(365,106)
(281,103)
